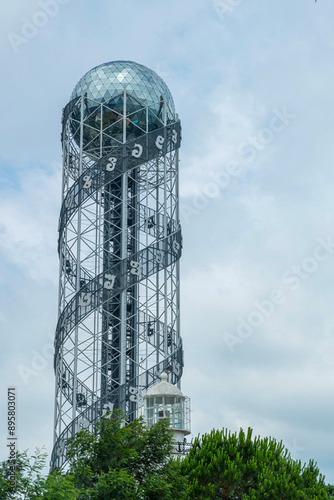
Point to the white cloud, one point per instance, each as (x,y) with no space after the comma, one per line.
(28,229)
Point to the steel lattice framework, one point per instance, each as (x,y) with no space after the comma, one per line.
(119,249)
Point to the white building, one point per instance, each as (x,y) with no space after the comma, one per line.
(165,400)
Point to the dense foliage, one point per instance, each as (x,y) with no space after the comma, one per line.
(28,476)
(119,462)
(330,491)
(233,466)
(126,461)
(115,462)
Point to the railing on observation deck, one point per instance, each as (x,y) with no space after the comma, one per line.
(181,448)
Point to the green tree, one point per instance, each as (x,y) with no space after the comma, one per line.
(330,491)
(121,461)
(234,466)
(28,476)
(115,462)
(30,484)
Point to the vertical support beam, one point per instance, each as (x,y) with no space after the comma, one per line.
(124,255)
(76,334)
(178,297)
(98,262)
(165,235)
(61,302)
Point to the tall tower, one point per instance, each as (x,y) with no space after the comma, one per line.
(119,247)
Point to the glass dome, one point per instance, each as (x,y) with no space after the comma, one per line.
(106,81)
(148,103)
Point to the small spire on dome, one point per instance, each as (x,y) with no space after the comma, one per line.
(163,377)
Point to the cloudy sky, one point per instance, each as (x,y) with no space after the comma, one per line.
(252,82)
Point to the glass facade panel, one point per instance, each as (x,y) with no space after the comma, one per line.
(175,408)
(170,400)
(149,402)
(150,413)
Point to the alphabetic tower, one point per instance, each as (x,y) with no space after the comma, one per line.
(119,247)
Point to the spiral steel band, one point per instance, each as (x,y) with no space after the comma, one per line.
(119,247)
